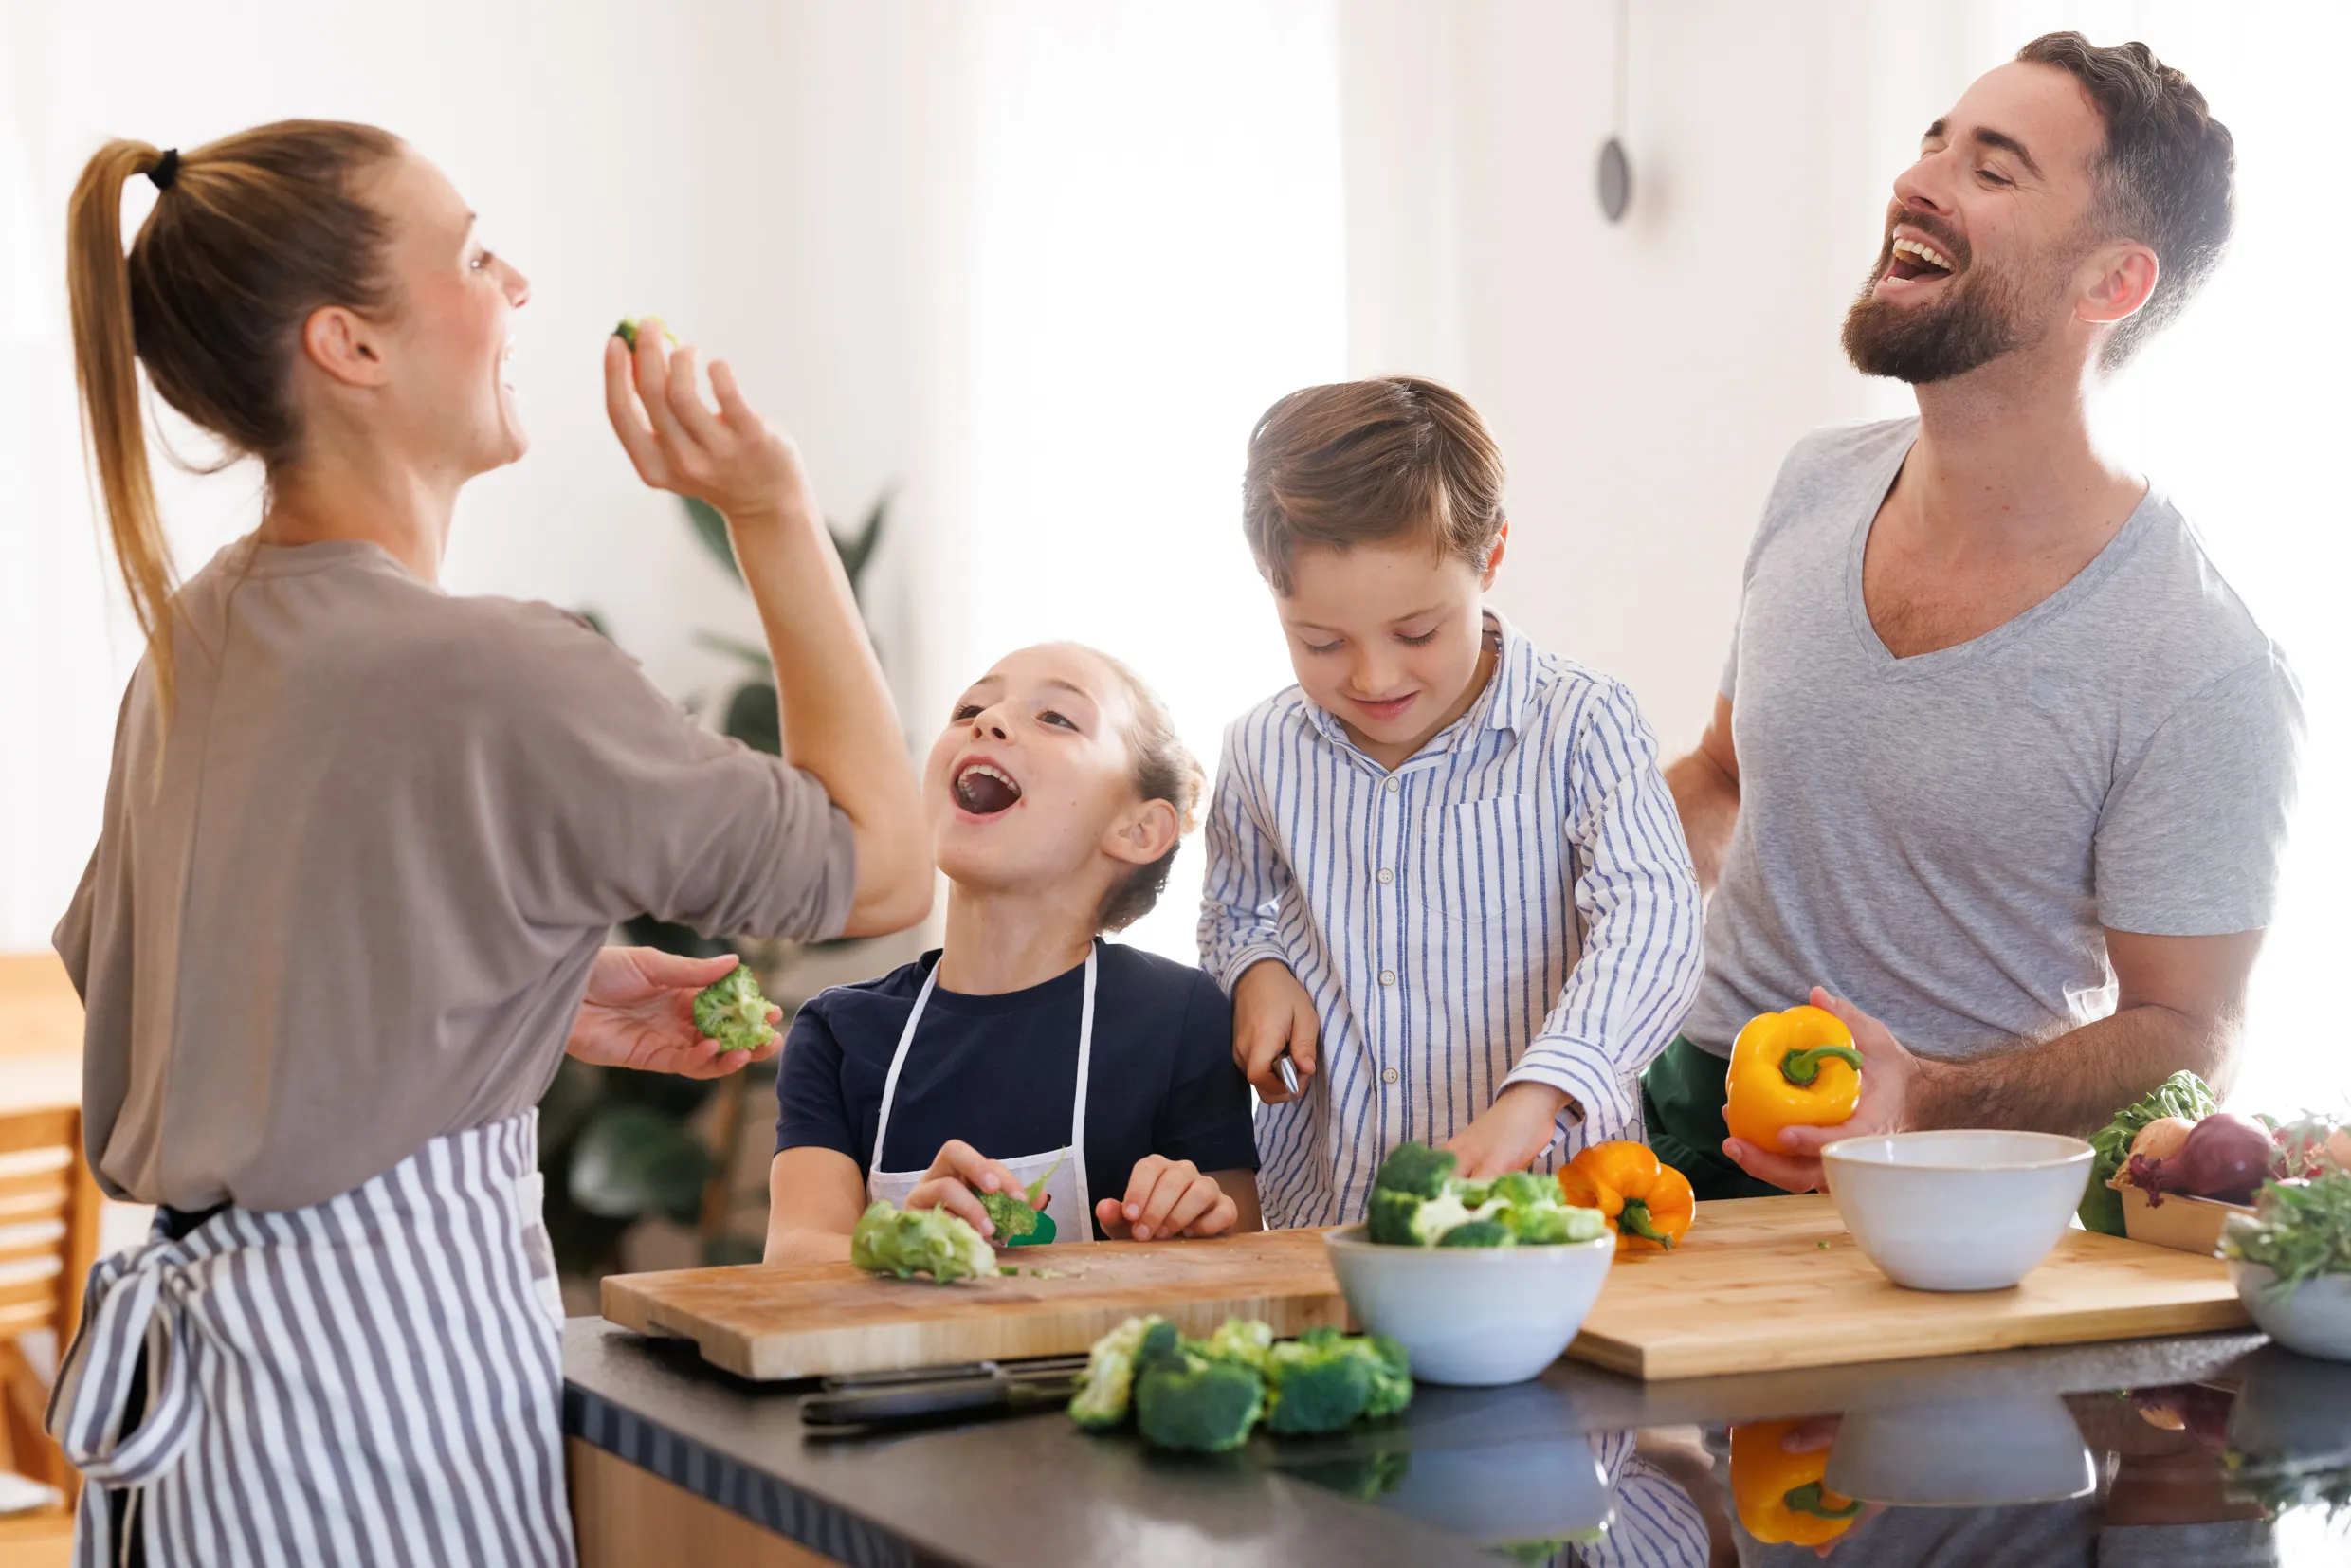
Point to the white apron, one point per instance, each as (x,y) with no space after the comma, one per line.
(1068,1201)
(372,1379)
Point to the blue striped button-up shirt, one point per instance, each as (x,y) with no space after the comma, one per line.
(1513,904)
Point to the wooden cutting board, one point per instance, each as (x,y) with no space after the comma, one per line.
(1753,1289)
(779,1321)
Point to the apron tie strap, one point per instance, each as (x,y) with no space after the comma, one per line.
(132,1299)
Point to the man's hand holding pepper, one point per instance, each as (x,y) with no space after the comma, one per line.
(1889,1079)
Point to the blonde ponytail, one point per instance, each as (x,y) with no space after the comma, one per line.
(249,234)
(106,365)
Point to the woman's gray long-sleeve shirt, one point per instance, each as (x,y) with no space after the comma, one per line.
(346,897)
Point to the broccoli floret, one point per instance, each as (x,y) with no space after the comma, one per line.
(920,1241)
(1010,1215)
(1446,1211)
(733,1013)
(1526,1190)
(1415,1168)
(1392,1216)
(1538,1227)
(627,333)
(1244,1341)
(1479,1232)
(1392,1375)
(1106,1393)
(1187,1402)
(1472,1193)
(1318,1382)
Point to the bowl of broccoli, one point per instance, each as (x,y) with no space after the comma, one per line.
(1481,1282)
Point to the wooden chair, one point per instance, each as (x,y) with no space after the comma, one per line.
(49,1239)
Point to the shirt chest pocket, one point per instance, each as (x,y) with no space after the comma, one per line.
(1484,862)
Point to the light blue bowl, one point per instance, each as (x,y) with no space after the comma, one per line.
(1472,1315)
(2313,1319)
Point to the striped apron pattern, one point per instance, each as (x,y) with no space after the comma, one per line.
(374,1380)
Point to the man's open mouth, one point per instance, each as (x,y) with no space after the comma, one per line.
(984,790)
(1917,259)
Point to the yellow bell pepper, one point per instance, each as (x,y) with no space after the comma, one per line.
(1797,1068)
(1647,1204)
(1778,1495)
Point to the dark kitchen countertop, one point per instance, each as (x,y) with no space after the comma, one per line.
(2199,1449)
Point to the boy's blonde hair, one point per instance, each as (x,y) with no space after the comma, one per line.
(1164,770)
(1363,460)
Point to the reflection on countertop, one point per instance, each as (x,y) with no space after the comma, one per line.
(2214,1449)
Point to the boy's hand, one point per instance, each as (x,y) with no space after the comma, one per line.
(1167,1197)
(1272,1012)
(1518,1126)
(730,458)
(949,1183)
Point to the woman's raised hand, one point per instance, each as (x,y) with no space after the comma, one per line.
(729,457)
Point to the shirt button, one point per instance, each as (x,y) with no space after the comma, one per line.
(1390,1076)
(1386,977)
(1386,876)
(1394,784)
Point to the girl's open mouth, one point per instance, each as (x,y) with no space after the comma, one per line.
(984,790)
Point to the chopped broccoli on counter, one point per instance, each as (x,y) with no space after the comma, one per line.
(1319,1382)
(733,1013)
(1243,1340)
(1185,1401)
(1203,1396)
(1418,1201)
(1392,1375)
(920,1241)
(1106,1392)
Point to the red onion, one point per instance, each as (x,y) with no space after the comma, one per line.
(2226,1157)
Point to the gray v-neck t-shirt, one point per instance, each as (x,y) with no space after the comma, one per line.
(1945,839)
(347,899)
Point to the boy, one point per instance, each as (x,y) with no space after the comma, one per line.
(1445,875)
(1027,1047)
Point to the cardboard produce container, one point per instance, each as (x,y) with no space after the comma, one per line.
(2184,1224)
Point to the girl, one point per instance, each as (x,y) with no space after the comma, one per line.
(362,844)
(1027,1047)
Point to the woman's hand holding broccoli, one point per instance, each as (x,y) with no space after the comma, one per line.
(639,1012)
(957,1178)
(730,457)
(1167,1197)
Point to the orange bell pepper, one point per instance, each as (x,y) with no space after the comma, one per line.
(1778,1495)
(1797,1068)
(1647,1204)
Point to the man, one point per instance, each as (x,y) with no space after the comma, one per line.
(1997,754)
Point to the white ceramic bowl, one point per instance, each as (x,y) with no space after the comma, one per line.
(1473,1315)
(1958,1209)
(1938,1456)
(2313,1319)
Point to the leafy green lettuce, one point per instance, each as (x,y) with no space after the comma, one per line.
(2183,1094)
(2301,1229)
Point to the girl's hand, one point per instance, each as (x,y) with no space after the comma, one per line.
(1167,1197)
(639,1012)
(731,459)
(1518,1125)
(949,1183)
(1271,1012)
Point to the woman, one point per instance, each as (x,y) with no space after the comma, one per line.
(362,844)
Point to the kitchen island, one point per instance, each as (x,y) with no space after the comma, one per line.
(2208,1449)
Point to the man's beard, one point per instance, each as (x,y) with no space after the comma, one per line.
(1982,318)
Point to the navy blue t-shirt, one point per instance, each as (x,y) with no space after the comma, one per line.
(1001,1072)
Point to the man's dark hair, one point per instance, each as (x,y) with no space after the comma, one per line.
(2167,177)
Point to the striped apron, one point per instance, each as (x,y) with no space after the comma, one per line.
(372,1379)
